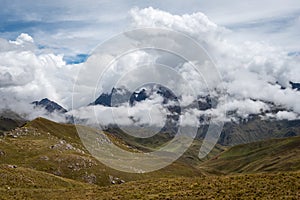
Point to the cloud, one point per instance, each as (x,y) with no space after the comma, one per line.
(77,27)
(250,70)
(28,73)
(150,112)
(23,38)
(281,115)
(253,73)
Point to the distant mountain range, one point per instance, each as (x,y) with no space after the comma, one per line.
(250,130)
(118,96)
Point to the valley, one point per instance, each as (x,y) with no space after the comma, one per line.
(44,159)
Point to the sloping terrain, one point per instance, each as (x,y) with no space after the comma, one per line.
(265,156)
(19,177)
(256,129)
(55,148)
(9,121)
(47,160)
(49,106)
(256,186)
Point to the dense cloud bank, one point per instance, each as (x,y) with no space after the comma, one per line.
(253,73)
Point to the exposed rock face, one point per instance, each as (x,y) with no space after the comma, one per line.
(119,96)
(257,130)
(116,97)
(115,180)
(90,178)
(50,106)
(24,131)
(295,85)
(62,145)
(2,153)
(245,131)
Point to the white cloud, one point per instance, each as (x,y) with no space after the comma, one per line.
(73,27)
(249,69)
(23,38)
(28,74)
(150,112)
(284,115)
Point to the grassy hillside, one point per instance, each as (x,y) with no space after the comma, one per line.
(256,186)
(13,177)
(62,131)
(47,160)
(269,155)
(152,143)
(56,149)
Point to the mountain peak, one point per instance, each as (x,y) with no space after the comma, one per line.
(49,105)
(295,85)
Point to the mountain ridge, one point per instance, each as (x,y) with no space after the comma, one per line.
(50,106)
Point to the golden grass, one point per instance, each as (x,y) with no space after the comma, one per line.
(256,186)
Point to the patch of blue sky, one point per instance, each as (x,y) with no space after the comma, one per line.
(79,58)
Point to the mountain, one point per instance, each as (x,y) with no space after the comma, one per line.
(118,95)
(10,120)
(276,155)
(54,148)
(244,131)
(47,160)
(49,105)
(295,85)
(121,95)
(255,129)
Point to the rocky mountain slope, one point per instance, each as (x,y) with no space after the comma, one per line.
(49,105)
(256,129)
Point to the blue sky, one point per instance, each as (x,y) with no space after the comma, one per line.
(76,27)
